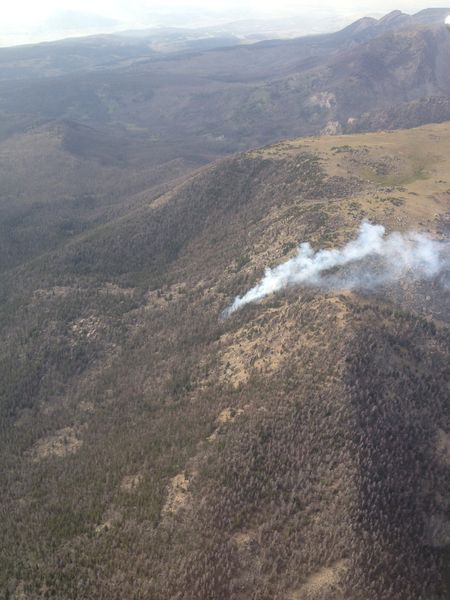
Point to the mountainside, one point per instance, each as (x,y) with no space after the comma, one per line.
(99,51)
(299,449)
(87,125)
(244,95)
(61,179)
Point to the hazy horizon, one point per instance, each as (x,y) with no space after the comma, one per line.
(25,22)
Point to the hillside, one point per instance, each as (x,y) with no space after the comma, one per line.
(298,449)
(219,101)
(60,179)
(92,127)
(215,95)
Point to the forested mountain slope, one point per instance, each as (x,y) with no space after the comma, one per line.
(91,127)
(298,449)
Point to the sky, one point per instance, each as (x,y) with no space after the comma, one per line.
(24,21)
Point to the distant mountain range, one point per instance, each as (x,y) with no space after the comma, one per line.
(116,115)
(232,97)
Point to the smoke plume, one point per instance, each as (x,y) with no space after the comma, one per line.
(372,259)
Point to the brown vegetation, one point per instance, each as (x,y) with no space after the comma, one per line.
(296,449)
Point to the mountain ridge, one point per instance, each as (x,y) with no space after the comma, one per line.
(296,450)
(127,123)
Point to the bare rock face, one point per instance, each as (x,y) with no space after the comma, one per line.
(404,115)
(332,128)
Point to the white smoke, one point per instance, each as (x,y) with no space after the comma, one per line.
(396,254)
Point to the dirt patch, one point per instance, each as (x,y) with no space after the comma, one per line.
(178,494)
(130,483)
(19,592)
(228,415)
(86,406)
(242,539)
(86,327)
(323,584)
(60,444)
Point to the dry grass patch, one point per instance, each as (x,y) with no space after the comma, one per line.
(59,444)
(86,406)
(86,327)
(178,495)
(266,343)
(324,584)
(228,415)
